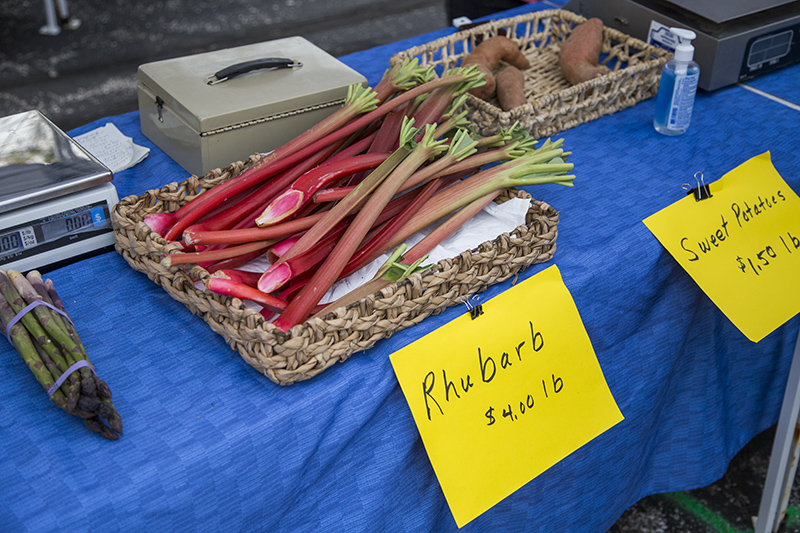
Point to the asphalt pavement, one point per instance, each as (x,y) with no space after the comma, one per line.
(88,71)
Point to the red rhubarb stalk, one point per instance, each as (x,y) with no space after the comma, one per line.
(300,192)
(309,296)
(411,259)
(359,101)
(278,274)
(234,262)
(349,204)
(280,248)
(524,171)
(235,289)
(236,274)
(254,201)
(358,147)
(285,229)
(182,258)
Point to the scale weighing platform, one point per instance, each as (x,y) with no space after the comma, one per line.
(55,197)
(736,39)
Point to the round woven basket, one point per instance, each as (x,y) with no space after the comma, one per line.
(311,347)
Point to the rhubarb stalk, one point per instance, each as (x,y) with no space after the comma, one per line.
(299,194)
(301,305)
(359,101)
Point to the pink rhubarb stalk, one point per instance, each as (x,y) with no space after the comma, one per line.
(278,274)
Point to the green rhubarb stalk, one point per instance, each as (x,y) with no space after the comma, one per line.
(505,147)
(309,296)
(460,147)
(454,119)
(403,76)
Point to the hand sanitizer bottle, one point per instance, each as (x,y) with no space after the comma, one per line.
(677,88)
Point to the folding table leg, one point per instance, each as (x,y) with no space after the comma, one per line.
(52,27)
(783,460)
(67,22)
(57,17)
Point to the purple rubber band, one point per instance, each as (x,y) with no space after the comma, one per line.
(25,310)
(60,381)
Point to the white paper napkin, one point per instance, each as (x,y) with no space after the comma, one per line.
(112,148)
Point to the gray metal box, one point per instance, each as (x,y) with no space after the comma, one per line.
(206,126)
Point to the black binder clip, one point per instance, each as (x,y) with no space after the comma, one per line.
(474,307)
(701,192)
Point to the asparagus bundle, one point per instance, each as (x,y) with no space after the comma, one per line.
(37,325)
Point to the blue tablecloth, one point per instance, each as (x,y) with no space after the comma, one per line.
(210,444)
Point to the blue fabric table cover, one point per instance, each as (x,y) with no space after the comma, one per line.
(212,445)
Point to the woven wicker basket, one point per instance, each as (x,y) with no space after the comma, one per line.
(553,105)
(315,345)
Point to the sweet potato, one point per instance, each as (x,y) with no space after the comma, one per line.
(510,87)
(487,56)
(580,54)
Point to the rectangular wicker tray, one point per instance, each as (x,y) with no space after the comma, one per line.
(318,343)
(553,105)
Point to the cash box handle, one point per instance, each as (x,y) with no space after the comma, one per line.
(238,69)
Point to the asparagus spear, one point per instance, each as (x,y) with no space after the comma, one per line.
(88,378)
(29,353)
(71,386)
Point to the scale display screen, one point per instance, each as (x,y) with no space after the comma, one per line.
(53,231)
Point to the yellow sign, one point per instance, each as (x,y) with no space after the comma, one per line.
(500,399)
(741,246)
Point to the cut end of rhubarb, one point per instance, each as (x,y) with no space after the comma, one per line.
(160,222)
(274,277)
(281,208)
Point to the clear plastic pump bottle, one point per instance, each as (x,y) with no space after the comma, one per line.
(678,86)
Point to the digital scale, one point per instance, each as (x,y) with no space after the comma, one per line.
(55,197)
(736,39)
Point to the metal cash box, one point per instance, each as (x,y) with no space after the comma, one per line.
(211,109)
